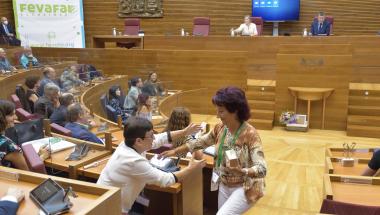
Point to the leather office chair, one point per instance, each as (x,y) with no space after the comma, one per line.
(16,100)
(259,22)
(24,115)
(20,92)
(330,19)
(131,28)
(201,26)
(163,148)
(111,113)
(17,56)
(32,159)
(104,102)
(60,130)
(336,207)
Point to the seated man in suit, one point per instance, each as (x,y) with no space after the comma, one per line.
(45,105)
(75,118)
(26,56)
(49,77)
(59,115)
(10,202)
(320,26)
(8,33)
(5,66)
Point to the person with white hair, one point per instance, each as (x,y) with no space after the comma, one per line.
(5,66)
(46,104)
(247,28)
(27,57)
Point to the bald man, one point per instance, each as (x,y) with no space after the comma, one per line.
(8,33)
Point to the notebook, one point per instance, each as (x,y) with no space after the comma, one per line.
(56,144)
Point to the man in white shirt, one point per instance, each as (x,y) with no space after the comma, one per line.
(128,167)
(247,28)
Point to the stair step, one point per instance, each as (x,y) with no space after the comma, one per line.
(363,131)
(364,120)
(364,86)
(370,93)
(262,114)
(261,105)
(262,124)
(364,100)
(266,96)
(363,110)
(261,88)
(261,83)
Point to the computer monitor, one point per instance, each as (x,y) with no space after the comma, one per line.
(276,10)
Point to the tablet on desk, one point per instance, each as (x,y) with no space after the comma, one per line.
(50,197)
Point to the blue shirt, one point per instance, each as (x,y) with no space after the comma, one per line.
(24,61)
(80,132)
(5,65)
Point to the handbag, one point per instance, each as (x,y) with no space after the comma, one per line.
(26,131)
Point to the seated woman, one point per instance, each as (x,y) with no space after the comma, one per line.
(247,28)
(26,56)
(32,83)
(130,103)
(70,80)
(152,86)
(179,119)
(144,107)
(114,94)
(75,115)
(10,153)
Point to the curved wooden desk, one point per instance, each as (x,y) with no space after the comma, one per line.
(360,190)
(92,199)
(8,83)
(311,94)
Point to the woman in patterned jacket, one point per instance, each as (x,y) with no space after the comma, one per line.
(240,185)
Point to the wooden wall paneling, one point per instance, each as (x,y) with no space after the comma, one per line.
(334,72)
(8,84)
(351,17)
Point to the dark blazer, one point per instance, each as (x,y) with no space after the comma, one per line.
(44,107)
(80,132)
(59,116)
(11,40)
(8,207)
(10,29)
(315,30)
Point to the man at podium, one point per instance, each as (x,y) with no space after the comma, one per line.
(320,26)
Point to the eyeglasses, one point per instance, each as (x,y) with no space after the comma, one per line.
(150,137)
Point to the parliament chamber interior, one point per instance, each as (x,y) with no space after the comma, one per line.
(189,107)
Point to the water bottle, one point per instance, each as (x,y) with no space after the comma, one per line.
(232,32)
(182,32)
(114,32)
(305,32)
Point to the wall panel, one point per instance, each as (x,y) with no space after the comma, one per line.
(351,17)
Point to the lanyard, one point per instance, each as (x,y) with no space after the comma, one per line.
(220,149)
